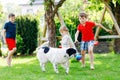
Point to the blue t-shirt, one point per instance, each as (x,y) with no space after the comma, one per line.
(10,30)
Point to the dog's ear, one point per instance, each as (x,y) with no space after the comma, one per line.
(46,49)
(70,51)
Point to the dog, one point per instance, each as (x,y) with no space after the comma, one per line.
(55,56)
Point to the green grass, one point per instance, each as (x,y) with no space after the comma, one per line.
(27,68)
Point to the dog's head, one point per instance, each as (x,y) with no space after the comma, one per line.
(71,51)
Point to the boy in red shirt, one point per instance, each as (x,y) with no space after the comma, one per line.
(9,35)
(87,43)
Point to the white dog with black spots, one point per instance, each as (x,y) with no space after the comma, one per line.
(55,56)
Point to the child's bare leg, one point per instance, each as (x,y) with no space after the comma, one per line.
(91,56)
(83,57)
(9,57)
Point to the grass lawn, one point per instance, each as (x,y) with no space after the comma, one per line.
(27,68)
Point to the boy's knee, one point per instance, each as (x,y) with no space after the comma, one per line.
(90,52)
(15,49)
(83,53)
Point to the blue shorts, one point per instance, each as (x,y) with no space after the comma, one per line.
(84,45)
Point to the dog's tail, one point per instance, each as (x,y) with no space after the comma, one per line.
(45,44)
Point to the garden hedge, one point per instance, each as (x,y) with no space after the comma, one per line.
(27,29)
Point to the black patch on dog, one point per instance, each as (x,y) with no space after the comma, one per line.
(46,49)
(70,51)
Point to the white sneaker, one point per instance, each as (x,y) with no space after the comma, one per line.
(92,67)
(83,66)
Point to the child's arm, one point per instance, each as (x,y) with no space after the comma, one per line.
(4,35)
(70,42)
(76,36)
(100,25)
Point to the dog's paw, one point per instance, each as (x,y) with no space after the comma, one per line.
(66,73)
(57,72)
(43,71)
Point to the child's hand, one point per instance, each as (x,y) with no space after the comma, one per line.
(4,42)
(76,41)
(110,31)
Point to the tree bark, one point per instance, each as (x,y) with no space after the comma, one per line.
(116,12)
(49,19)
(117,16)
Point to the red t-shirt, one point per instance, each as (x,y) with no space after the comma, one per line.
(87,31)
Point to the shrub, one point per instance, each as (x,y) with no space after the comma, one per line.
(20,44)
(27,28)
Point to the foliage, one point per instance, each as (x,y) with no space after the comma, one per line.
(0,49)
(28,68)
(114,1)
(2,17)
(27,28)
(20,44)
(0,10)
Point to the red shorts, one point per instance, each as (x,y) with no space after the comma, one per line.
(11,43)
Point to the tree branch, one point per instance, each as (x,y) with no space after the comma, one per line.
(57,6)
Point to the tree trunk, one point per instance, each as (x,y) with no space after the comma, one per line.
(49,19)
(117,16)
(51,32)
(116,12)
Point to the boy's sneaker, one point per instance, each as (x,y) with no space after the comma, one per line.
(83,66)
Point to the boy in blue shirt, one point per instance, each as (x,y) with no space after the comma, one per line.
(9,35)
